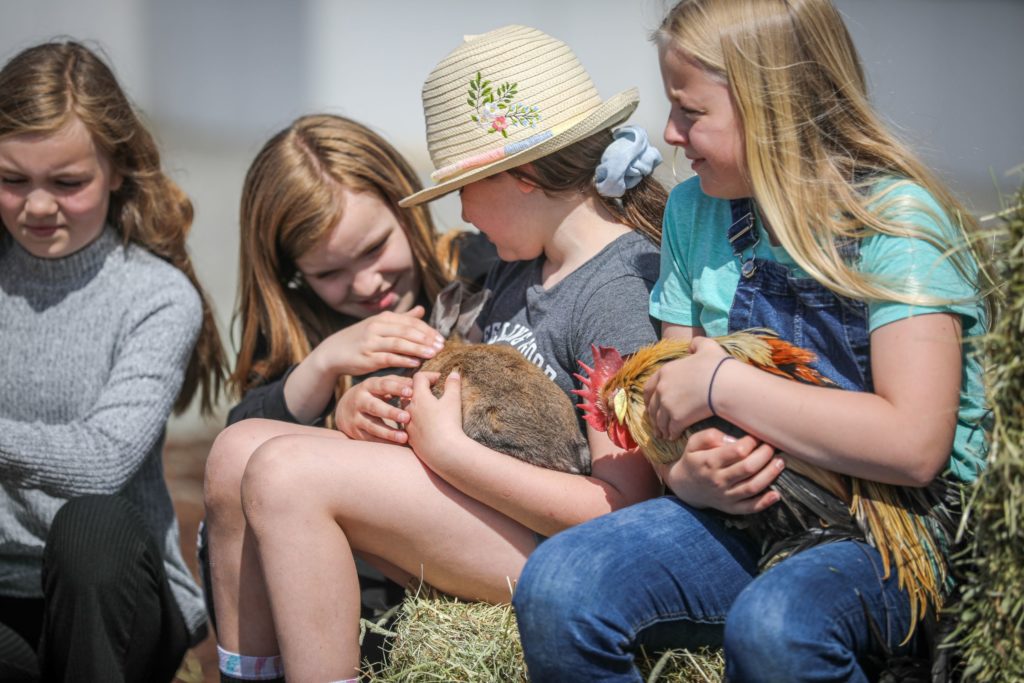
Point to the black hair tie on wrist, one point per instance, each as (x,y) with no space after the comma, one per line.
(711,384)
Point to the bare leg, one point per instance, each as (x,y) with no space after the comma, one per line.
(312,503)
(234,564)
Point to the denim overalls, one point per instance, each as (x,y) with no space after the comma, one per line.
(809,315)
(800,309)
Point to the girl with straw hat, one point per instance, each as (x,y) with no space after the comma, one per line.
(514,124)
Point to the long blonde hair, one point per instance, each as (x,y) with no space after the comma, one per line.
(815,148)
(290,203)
(572,169)
(41,89)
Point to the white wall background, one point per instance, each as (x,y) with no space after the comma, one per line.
(217,77)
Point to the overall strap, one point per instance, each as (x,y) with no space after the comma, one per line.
(743,236)
(849,248)
(743,233)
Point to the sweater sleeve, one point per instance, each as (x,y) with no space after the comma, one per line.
(102,449)
(267,401)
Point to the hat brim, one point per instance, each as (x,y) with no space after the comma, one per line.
(613,111)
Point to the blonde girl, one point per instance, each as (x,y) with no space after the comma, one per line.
(335,281)
(808,217)
(515,124)
(105,330)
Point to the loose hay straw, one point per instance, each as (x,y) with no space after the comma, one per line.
(990,614)
(440,639)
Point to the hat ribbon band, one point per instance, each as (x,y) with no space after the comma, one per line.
(490,156)
(484,158)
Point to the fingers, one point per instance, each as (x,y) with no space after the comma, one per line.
(453,388)
(729,474)
(373,429)
(376,402)
(398,352)
(705,345)
(421,382)
(671,406)
(749,480)
(706,439)
(394,334)
(653,402)
(373,410)
(389,386)
(754,473)
(411,327)
(737,460)
(755,504)
(656,415)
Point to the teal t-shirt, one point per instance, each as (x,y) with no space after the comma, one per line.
(699,276)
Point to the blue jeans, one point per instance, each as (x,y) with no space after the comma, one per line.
(662,574)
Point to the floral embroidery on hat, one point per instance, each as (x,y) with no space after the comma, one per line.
(496,110)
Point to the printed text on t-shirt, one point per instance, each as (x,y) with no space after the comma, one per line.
(522,339)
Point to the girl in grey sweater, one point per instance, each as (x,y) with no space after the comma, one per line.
(104,330)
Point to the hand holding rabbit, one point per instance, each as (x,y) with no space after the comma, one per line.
(367,411)
(508,403)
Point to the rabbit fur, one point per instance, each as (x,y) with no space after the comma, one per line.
(508,403)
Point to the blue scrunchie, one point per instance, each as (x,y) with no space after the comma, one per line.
(625,161)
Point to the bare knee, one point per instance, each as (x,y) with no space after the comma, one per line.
(225,465)
(273,484)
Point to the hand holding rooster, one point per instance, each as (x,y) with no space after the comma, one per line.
(675,393)
(721,472)
(716,470)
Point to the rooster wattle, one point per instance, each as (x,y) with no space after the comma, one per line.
(911,527)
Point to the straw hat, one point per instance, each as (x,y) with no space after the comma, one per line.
(505,98)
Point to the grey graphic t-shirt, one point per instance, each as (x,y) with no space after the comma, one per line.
(603,302)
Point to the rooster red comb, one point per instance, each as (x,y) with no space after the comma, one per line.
(607,361)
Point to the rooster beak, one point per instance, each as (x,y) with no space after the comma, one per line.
(619,403)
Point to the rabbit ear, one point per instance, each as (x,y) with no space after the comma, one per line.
(446,309)
(470,311)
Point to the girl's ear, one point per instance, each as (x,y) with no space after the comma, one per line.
(525,186)
(116,180)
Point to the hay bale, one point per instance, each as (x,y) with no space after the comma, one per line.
(683,666)
(439,639)
(990,614)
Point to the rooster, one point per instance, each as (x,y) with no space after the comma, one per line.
(910,527)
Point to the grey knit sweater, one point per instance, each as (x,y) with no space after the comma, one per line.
(93,351)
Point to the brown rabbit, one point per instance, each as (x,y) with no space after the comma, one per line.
(508,403)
